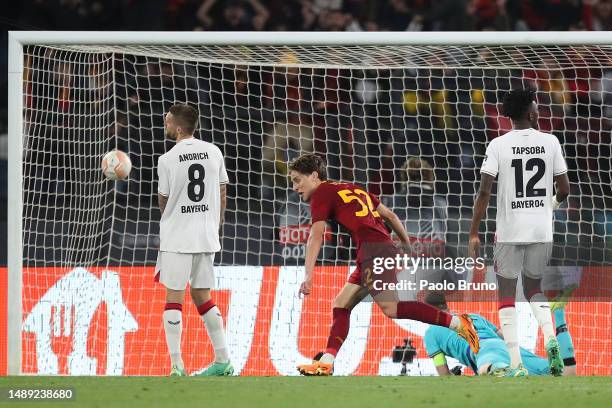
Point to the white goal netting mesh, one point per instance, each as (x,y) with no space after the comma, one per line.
(89,243)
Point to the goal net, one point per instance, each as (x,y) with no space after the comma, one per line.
(90,305)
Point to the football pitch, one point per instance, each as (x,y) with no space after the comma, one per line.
(331,392)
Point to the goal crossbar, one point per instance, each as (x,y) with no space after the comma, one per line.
(312,38)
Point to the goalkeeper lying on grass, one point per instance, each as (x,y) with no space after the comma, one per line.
(493,358)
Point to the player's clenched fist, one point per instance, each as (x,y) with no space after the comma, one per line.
(305,287)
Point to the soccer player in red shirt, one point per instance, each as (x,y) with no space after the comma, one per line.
(363,216)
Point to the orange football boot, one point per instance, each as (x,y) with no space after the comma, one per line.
(468,332)
(316,368)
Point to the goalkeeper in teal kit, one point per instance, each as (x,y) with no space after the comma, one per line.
(493,357)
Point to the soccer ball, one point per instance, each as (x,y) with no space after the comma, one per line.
(116,165)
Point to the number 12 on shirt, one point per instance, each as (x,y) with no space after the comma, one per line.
(529,189)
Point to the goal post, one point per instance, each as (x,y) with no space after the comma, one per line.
(105,232)
(14,207)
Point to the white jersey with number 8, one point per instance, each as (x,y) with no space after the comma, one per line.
(190,175)
(525,162)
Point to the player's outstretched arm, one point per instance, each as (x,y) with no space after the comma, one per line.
(313,246)
(394,222)
(480,207)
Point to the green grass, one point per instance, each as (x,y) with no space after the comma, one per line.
(328,392)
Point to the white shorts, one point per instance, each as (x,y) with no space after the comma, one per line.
(512,260)
(176,269)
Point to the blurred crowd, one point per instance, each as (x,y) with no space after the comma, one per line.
(309,15)
(369,124)
(366,122)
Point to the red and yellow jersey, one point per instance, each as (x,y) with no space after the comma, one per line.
(353,208)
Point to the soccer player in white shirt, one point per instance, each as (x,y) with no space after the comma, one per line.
(192,199)
(526,163)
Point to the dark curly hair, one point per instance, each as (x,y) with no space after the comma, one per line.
(309,163)
(516,103)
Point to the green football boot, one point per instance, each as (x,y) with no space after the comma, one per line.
(519,371)
(498,370)
(562,298)
(177,372)
(216,370)
(554,357)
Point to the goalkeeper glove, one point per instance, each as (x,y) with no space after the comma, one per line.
(456,370)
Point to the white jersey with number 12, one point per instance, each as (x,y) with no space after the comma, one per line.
(190,175)
(525,162)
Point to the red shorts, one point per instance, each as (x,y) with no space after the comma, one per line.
(365,275)
(355,276)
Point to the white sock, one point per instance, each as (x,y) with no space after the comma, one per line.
(214,326)
(173,326)
(455,323)
(507,320)
(541,311)
(327,358)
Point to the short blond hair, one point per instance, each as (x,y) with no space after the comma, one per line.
(417,170)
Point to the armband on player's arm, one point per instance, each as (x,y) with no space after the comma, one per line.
(439,360)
